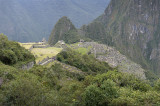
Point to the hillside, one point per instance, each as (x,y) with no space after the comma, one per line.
(109,62)
(11,53)
(31,20)
(63,30)
(80,74)
(132,26)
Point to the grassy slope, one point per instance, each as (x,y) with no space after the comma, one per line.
(41,53)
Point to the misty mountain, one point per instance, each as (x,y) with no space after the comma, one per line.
(31,20)
(132,26)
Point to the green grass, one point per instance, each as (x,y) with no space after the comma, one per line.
(82,50)
(28,45)
(50,64)
(41,53)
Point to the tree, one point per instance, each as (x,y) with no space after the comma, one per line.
(93,96)
(25,90)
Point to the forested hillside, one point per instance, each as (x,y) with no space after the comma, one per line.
(12,53)
(95,83)
(89,66)
(31,20)
(132,26)
(64,30)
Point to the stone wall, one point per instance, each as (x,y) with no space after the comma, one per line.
(40,46)
(27,66)
(114,58)
(47,60)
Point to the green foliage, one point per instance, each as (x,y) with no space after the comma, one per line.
(132,92)
(109,89)
(100,95)
(25,90)
(96,31)
(157,85)
(151,76)
(56,86)
(122,80)
(123,101)
(12,53)
(93,96)
(38,70)
(71,37)
(8,57)
(87,63)
(7,72)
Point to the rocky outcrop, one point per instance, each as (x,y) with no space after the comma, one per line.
(47,60)
(132,26)
(27,66)
(114,58)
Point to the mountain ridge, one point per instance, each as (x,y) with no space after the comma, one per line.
(31,20)
(133,28)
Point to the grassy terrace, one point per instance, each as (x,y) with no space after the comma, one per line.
(27,45)
(81,50)
(41,53)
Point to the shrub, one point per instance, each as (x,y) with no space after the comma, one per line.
(25,90)
(93,96)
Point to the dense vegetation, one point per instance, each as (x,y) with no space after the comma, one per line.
(129,27)
(56,86)
(96,31)
(12,53)
(94,83)
(100,85)
(86,63)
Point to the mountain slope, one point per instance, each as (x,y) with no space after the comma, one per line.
(133,27)
(113,57)
(31,20)
(63,30)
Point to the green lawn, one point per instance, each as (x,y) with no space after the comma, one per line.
(41,53)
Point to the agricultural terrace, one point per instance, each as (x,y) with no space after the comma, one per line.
(41,53)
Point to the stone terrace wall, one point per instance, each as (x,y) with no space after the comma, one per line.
(114,58)
(28,66)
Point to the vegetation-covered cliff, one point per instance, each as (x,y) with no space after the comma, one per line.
(64,30)
(132,26)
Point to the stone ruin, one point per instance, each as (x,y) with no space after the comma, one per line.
(114,58)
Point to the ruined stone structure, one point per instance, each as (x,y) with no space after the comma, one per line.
(27,66)
(115,59)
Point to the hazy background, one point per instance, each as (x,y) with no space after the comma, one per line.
(31,20)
